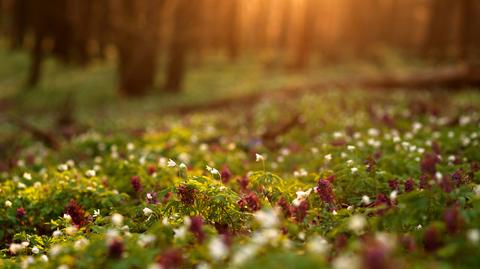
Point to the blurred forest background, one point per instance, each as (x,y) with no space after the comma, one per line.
(210,48)
(288,33)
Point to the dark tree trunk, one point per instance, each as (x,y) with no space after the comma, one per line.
(232,29)
(469,39)
(137,46)
(181,38)
(37,55)
(440,29)
(19,23)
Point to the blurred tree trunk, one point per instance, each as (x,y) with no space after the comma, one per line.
(440,28)
(469,43)
(286,17)
(37,55)
(401,14)
(19,22)
(233,29)
(306,35)
(181,39)
(136,40)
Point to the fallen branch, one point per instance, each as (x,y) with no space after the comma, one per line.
(47,138)
(440,78)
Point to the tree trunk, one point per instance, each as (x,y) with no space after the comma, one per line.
(137,45)
(232,29)
(183,30)
(306,35)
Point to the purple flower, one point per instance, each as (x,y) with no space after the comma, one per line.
(225,174)
(409,185)
(243,182)
(431,239)
(152,198)
(187,194)
(136,184)
(196,227)
(76,212)
(453,219)
(249,202)
(21,213)
(286,207)
(458,178)
(170,259)
(408,243)
(324,190)
(300,212)
(115,248)
(393,184)
(375,255)
(428,164)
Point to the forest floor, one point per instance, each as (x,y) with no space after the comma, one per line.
(330,179)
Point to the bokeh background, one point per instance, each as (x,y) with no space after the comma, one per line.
(94,56)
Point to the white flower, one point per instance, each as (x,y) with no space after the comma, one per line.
(27,176)
(350,162)
(354,170)
(202,265)
(171,163)
(146,239)
(96,213)
(71,230)
(301,196)
(393,195)
(473,235)
(366,200)
(130,146)
(62,167)
(147,211)
(15,248)
(25,243)
(67,217)
(351,148)
(180,232)
(182,166)
(21,185)
(419,226)
(80,243)
(8,203)
(117,219)
(476,189)
(357,223)
(373,132)
(90,173)
(44,258)
(328,157)
(35,250)
(212,170)
(318,245)
(57,233)
(267,218)
(259,157)
(218,249)
(346,262)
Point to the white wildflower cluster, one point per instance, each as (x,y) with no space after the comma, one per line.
(268,234)
(357,223)
(301,196)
